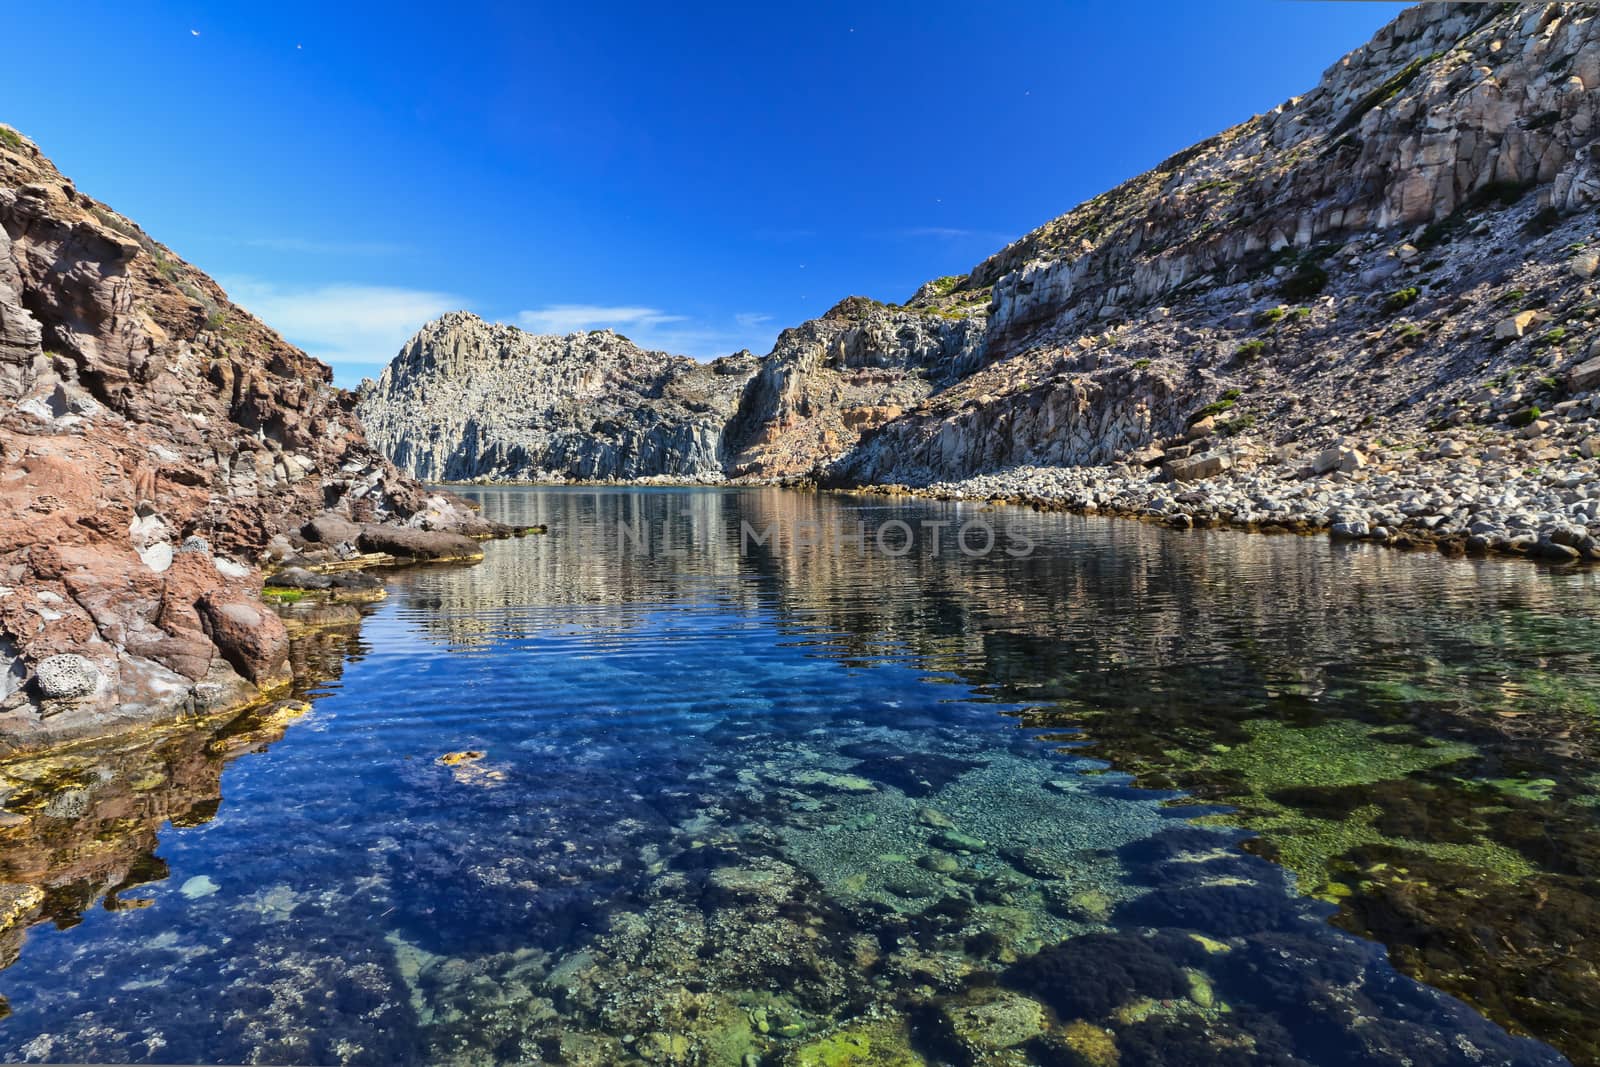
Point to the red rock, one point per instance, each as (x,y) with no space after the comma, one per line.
(250,636)
(138,408)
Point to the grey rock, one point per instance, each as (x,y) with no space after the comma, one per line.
(300,578)
(1556,553)
(409,543)
(331,528)
(67,677)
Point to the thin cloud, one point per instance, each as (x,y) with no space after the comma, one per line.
(571,318)
(330,248)
(348,326)
(655,329)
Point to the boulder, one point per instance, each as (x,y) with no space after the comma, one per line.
(1338,458)
(67,677)
(407,542)
(1517,325)
(1556,553)
(1193,468)
(300,578)
(1584,376)
(331,528)
(248,634)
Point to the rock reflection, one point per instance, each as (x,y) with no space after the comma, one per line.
(81,826)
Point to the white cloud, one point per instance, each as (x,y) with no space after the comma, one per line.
(654,329)
(571,318)
(352,327)
(951,233)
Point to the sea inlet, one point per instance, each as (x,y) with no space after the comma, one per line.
(695,779)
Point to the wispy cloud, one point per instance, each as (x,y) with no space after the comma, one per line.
(311,247)
(355,328)
(654,328)
(570,318)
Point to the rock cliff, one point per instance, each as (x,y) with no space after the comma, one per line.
(466,400)
(159,446)
(1398,263)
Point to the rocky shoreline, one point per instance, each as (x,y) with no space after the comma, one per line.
(161,453)
(1482,494)
(1531,494)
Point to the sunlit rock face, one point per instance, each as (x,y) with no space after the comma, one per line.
(1397,251)
(159,446)
(466,400)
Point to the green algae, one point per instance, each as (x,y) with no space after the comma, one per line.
(878,1043)
(1280,755)
(1272,776)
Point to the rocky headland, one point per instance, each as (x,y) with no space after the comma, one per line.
(161,450)
(1370,311)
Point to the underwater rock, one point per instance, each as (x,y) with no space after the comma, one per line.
(767,880)
(198,887)
(1216,910)
(956,841)
(1088,1045)
(915,774)
(839,783)
(991,1019)
(873,1043)
(1090,977)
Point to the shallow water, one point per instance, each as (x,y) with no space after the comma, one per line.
(1111,801)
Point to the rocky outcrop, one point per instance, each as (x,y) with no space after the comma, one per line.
(159,447)
(1405,248)
(466,400)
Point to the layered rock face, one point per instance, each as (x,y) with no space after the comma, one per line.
(468,400)
(158,447)
(1404,249)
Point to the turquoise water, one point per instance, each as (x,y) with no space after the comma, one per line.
(592,803)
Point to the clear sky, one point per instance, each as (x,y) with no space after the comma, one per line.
(695,178)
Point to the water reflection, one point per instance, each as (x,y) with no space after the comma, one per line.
(718,802)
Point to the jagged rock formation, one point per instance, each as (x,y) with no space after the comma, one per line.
(158,446)
(466,399)
(1401,250)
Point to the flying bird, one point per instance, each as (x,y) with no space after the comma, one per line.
(194,33)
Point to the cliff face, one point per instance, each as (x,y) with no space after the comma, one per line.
(466,399)
(1406,248)
(158,446)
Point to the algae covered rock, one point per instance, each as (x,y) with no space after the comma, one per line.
(878,1043)
(989,1020)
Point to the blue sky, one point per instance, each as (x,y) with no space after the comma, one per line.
(694,178)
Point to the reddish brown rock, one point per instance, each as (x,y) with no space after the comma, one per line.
(159,447)
(250,636)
